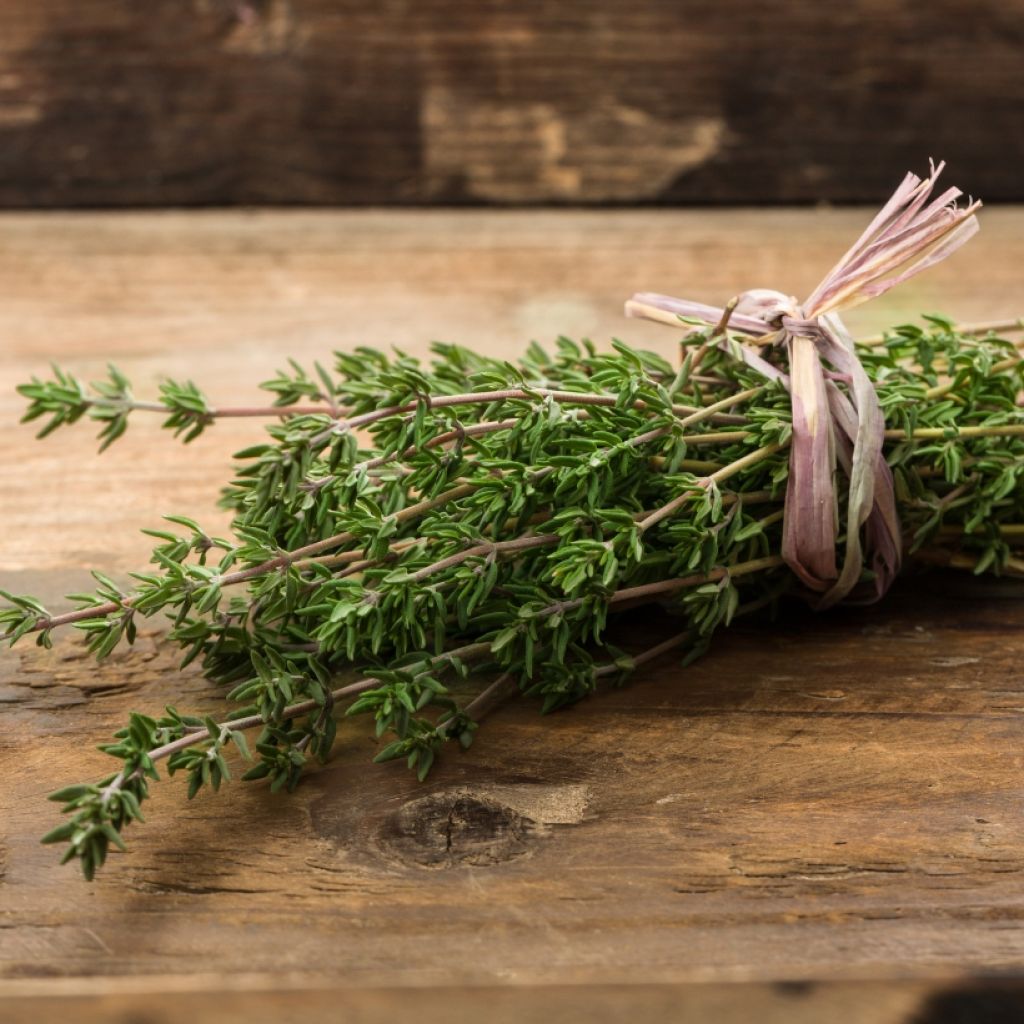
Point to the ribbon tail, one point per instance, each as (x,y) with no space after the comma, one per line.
(881,531)
(809,524)
(663,309)
(871,495)
(883,535)
(676,312)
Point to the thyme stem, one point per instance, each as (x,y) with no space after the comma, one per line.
(937,433)
(971,330)
(718,476)
(468,652)
(508,394)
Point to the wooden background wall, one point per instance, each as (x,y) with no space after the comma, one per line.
(152,102)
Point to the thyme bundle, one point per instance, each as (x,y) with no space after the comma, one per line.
(472,519)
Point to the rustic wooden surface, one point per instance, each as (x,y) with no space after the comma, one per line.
(360,101)
(828,798)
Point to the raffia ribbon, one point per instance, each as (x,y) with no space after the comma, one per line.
(831,424)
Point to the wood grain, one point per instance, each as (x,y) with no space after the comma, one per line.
(251,1001)
(118,103)
(831,797)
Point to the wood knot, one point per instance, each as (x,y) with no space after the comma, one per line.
(447,829)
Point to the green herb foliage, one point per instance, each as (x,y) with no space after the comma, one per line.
(471,519)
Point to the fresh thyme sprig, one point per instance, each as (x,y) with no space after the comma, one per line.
(484,520)
(65,399)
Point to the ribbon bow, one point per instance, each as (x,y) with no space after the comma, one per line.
(909,234)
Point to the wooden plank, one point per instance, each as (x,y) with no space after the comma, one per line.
(820,799)
(827,798)
(227,297)
(320,101)
(252,1001)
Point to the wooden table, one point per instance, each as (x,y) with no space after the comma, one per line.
(822,819)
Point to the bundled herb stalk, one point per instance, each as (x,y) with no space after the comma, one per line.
(407,526)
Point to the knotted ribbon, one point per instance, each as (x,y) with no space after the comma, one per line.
(910,233)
